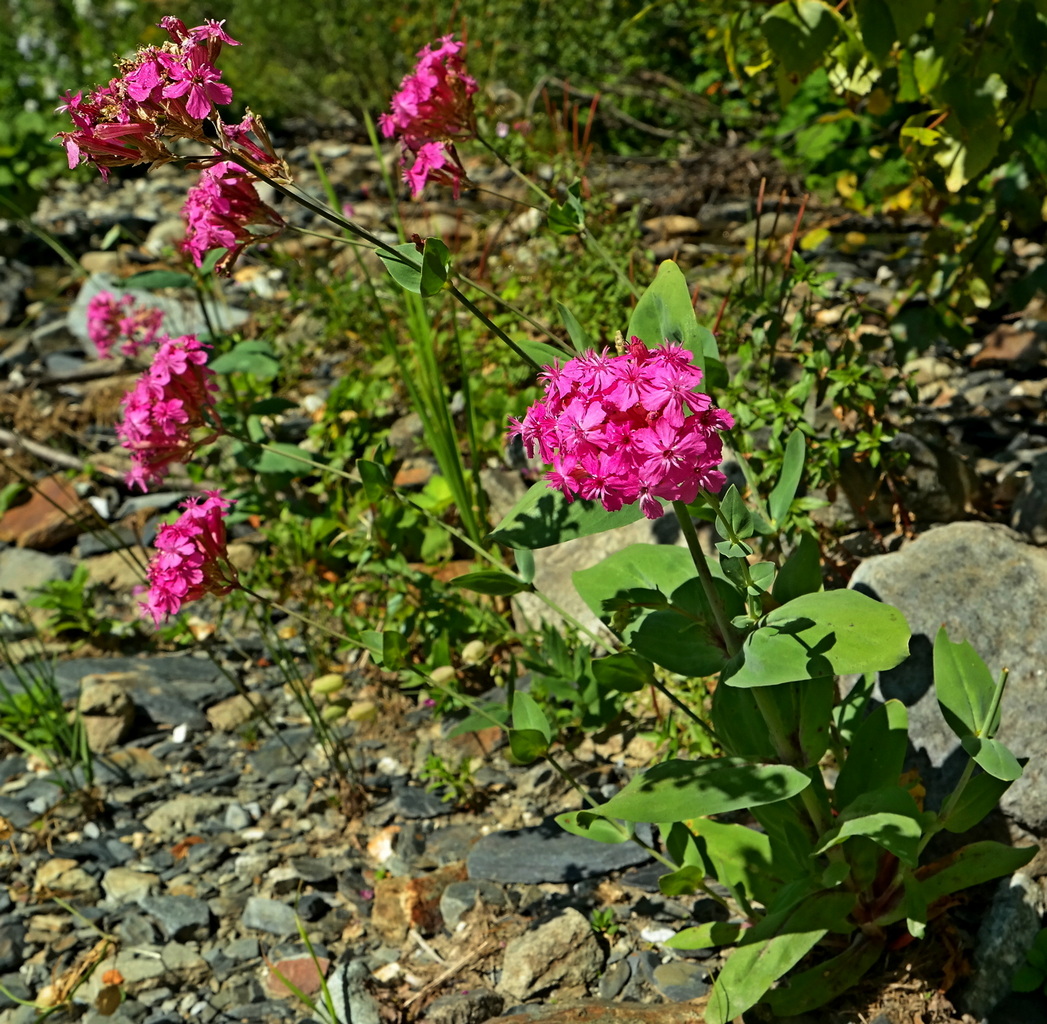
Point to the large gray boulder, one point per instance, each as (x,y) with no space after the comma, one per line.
(987,587)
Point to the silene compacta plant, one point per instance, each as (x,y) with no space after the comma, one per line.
(806,818)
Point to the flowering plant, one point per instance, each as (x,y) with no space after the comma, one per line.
(825,872)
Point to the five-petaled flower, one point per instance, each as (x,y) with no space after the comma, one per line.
(191,558)
(433,108)
(627,428)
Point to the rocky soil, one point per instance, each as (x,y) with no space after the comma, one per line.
(217,866)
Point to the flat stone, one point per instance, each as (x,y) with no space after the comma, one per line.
(180,918)
(472,1007)
(269,916)
(401,904)
(987,587)
(229,714)
(22,571)
(177,816)
(53,513)
(125,885)
(414,802)
(681,981)
(304,973)
(546,853)
(460,897)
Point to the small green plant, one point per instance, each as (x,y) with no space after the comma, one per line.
(604,922)
(457,783)
(1032,974)
(73,608)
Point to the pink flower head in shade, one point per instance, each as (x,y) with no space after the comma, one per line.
(433,108)
(161,91)
(111,320)
(627,428)
(219,210)
(174,397)
(191,558)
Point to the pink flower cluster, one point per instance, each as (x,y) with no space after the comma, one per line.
(174,397)
(627,428)
(433,108)
(218,211)
(191,558)
(162,91)
(110,319)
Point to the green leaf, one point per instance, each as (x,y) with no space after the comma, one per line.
(801,33)
(740,858)
(877,27)
(889,817)
(528,715)
(624,672)
(576,332)
(665,313)
(781,497)
(772,948)
(540,353)
(527,745)
(964,687)
(436,260)
(1027,979)
(395,650)
(980,796)
(254,357)
(156,279)
(525,566)
(492,582)
(648,594)
(993,757)
(568,217)
(680,790)
(850,712)
(736,514)
(543,517)
(801,573)
(827,980)
(974,864)
(683,881)
(594,826)
(909,16)
(877,754)
(376,478)
(481,719)
(834,632)
(704,936)
(405,268)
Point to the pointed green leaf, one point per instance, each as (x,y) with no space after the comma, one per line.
(525,564)
(665,313)
(819,985)
(527,745)
(964,686)
(980,796)
(680,790)
(576,332)
(877,754)
(704,936)
(771,949)
(781,497)
(740,858)
(376,478)
(683,881)
(624,672)
(974,864)
(993,757)
(405,268)
(492,582)
(436,260)
(594,826)
(889,817)
(529,716)
(801,572)
(833,632)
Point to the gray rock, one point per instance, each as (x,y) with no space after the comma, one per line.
(269,916)
(12,939)
(547,853)
(23,571)
(1004,937)
(181,813)
(614,979)
(681,981)
(181,918)
(415,802)
(472,1007)
(312,869)
(987,587)
(563,953)
(460,897)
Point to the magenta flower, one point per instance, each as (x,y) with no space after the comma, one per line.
(161,92)
(219,211)
(433,108)
(110,319)
(627,428)
(174,397)
(191,558)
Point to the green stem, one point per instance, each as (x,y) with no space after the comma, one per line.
(491,325)
(712,595)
